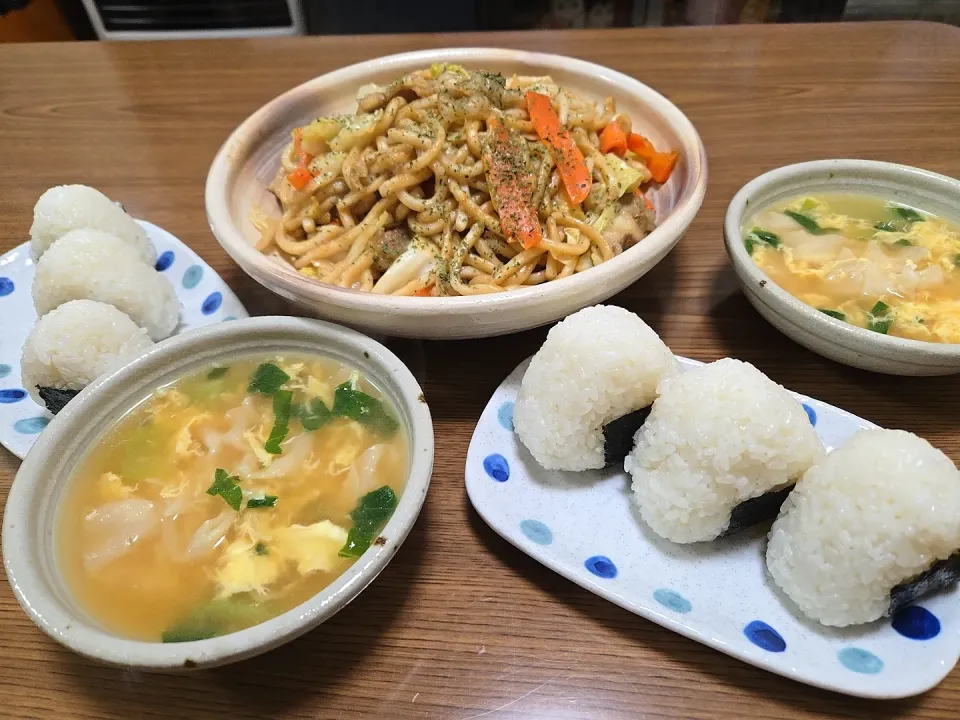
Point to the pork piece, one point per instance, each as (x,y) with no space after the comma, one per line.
(388,245)
(630,225)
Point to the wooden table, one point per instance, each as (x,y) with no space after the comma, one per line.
(461,624)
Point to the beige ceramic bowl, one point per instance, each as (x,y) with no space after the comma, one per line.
(29,522)
(248,160)
(825,335)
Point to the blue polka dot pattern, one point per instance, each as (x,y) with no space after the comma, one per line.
(164,261)
(505,416)
(537,532)
(5,370)
(916,623)
(673,600)
(30,426)
(764,636)
(6,286)
(601,566)
(811,413)
(12,396)
(860,661)
(191,276)
(497,467)
(212,303)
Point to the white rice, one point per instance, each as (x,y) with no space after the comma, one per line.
(70,207)
(92,265)
(716,436)
(873,514)
(595,366)
(78,342)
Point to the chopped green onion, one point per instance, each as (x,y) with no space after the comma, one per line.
(833,313)
(282,400)
(808,204)
(267,379)
(371,514)
(880,318)
(226,487)
(180,634)
(351,403)
(956,259)
(908,214)
(886,226)
(261,549)
(766,236)
(217,372)
(267,501)
(808,223)
(749,244)
(903,242)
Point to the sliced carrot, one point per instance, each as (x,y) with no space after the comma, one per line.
(614,136)
(646,201)
(301,158)
(662,164)
(511,184)
(299,178)
(569,159)
(639,145)
(424,291)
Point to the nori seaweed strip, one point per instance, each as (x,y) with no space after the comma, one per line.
(756,510)
(941,574)
(56,399)
(618,435)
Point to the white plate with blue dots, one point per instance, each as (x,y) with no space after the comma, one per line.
(204,299)
(584,526)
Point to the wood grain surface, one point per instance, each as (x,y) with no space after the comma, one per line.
(461,624)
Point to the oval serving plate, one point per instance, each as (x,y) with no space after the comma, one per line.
(204,299)
(583,526)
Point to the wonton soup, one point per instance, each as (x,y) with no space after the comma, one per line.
(229,497)
(882,266)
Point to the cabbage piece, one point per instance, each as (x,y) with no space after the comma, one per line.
(319,133)
(355,130)
(418,260)
(326,167)
(628,178)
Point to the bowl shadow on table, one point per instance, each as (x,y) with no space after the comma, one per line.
(864,393)
(722,669)
(278,683)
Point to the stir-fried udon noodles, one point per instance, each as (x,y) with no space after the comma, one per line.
(452,182)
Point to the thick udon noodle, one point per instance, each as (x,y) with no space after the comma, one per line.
(422,167)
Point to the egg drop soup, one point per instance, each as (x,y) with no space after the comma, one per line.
(229,497)
(885,267)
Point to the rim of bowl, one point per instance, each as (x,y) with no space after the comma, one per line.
(222,172)
(36,585)
(831,328)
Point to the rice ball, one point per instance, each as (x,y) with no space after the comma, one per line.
(93,265)
(70,207)
(72,346)
(873,514)
(717,436)
(596,365)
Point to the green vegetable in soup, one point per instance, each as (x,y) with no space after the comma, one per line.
(808,204)
(267,501)
(267,379)
(956,259)
(216,617)
(217,372)
(908,214)
(371,514)
(808,223)
(903,242)
(349,402)
(226,487)
(144,453)
(833,313)
(886,226)
(313,415)
(261,549)
(880,318)
(281,421)
(758,236)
